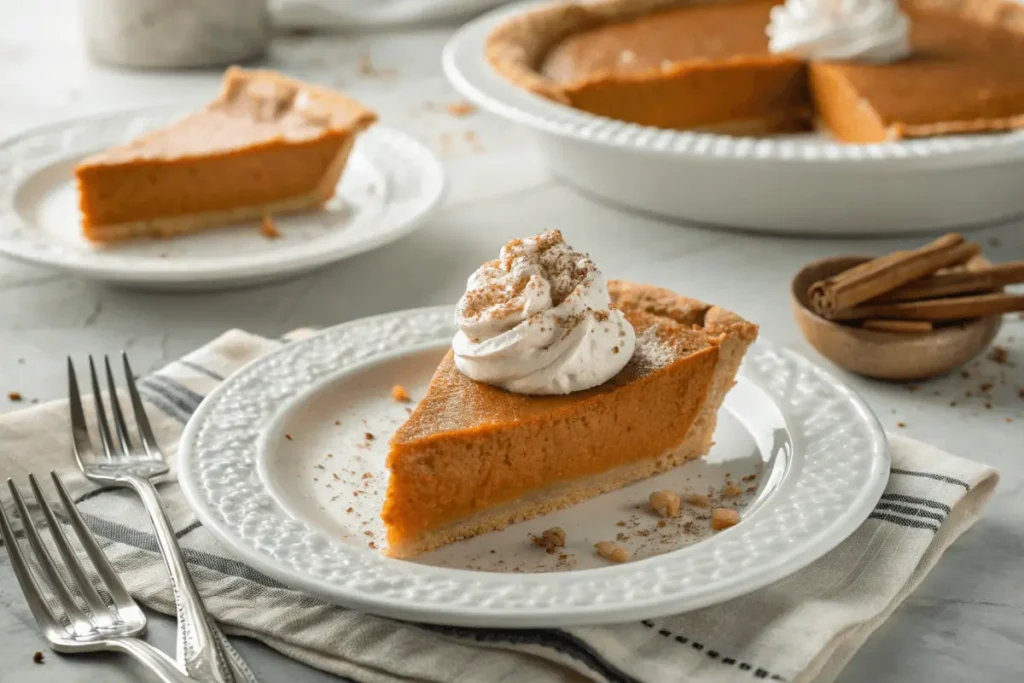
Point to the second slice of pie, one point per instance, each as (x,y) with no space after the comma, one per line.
(267,145)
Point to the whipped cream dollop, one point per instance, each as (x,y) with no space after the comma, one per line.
(874,31)
(538,320)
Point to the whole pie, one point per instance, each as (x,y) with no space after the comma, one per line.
(473,457)
(268,144)
(706,65)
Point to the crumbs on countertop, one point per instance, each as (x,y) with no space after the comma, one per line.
(474,141)
(370,70)
(460,109)
(399,394)
(14,396)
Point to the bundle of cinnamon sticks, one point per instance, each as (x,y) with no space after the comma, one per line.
(911,291)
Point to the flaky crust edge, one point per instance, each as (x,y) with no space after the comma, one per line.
(717,322)
(516,47)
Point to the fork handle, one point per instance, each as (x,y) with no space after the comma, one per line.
(162,666)
(203,651)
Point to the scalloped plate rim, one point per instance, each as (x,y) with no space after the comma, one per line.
(810,550)
(430,168)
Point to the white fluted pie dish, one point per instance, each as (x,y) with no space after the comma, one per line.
(804,183)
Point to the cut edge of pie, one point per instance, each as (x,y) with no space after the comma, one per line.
(295,126)
(728,336)
(170,226)
(517,47)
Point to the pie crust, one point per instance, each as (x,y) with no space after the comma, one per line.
(473,458)
(267,145)
(782,92)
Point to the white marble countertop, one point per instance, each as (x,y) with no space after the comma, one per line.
(966,622)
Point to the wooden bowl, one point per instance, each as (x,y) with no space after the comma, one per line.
(885,355)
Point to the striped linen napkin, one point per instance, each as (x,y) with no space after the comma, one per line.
(803,628)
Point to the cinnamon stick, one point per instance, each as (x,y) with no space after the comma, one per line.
(954,308)
(901,326)
(962,282)
(886,273)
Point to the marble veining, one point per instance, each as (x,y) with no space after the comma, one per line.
(964,622)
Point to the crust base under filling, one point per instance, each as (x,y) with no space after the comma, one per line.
(169,226)
(562,496)
(697,442)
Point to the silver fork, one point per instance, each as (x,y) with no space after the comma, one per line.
(202,650)
(97,627)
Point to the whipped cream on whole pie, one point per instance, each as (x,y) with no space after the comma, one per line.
(874,31)
(538,320)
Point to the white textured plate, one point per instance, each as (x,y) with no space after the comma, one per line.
(799,183)
(284,463)
(390,184)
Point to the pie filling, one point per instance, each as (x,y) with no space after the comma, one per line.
(408,542)
(474,458)
(137,203)
(267,144)
(707,66)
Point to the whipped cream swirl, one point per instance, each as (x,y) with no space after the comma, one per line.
(874,31)
(538,320)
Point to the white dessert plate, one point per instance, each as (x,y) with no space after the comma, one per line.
(805,184)
(390,184)
(284,464)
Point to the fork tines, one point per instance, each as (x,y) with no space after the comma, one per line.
(79,621)
(79,429)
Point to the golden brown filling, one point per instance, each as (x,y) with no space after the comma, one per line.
(157,188)
(446,452)
(707,66)
(684,34)
(969,69)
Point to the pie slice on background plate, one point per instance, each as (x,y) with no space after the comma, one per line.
(474,458)
(267,145)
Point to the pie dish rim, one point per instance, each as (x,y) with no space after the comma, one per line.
(466,67)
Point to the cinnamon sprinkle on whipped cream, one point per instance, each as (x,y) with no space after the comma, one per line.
(538,320)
